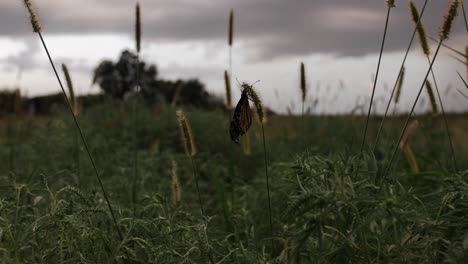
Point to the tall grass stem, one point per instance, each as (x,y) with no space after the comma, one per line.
(101,185)
(379,131)
(376,77)
(387,170)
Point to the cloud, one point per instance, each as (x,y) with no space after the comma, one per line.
(271,28)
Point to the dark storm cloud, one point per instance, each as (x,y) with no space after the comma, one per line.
(271,27)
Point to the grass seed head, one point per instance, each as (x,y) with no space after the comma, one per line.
(303,82)
(231,27)
(70,88)
(390,3)
(256,100)
(138,27)
(33,16)
(419,28)
(186,134)
(400,84)
(432,99)
(448,20)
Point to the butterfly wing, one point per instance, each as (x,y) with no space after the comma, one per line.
(245,116)
(242,119)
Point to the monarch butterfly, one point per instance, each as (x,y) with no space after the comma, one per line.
(242,118)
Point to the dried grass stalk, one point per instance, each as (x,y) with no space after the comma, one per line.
(186,134)
(432,99)
(71,92)
(175,185)
(409,134)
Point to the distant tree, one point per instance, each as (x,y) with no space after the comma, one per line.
(119,79)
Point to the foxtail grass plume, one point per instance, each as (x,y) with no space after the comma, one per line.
(70,89)
(33,16)
(264,120)
(420,29)
(228,90)
(432,99)
(448,20)
(256,100)
(303,82)
(390,3)
(176,192)
(186,134)
(138,27)
(231,28)
(400,85)
(409,134)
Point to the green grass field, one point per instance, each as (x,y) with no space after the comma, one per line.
(329,201)
(141,186)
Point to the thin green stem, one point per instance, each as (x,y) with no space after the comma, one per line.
(230,66)
(411,112)
(135,127)
(267,180)
(303,132)
(398,77)
(70,108)
(455,167)
(195,176)
(448,47)
(464,16)
(376,77)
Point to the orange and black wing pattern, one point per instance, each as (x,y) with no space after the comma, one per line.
(242,118)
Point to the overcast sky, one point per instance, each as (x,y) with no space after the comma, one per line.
(338,40)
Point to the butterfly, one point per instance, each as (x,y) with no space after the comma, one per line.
(242,118)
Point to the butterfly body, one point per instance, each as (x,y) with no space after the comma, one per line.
(241,119)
